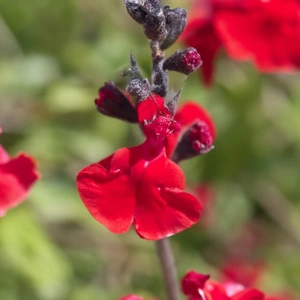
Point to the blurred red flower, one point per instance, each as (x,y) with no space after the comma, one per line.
(141,185)
(255,30)
(242,271)
(198,287)
(17,175)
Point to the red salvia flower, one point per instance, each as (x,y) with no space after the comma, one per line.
(143,186)
(17,175)
(140,185)
(255,30)
(198,287)
(261,31)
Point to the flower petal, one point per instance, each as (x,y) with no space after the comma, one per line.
(191,112)
(163,209)
(151,108)
(192,282)
(215,290)
(263,33)
(249,294)
(109,195)
(16,178)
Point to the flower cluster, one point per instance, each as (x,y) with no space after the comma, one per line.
(143,185)
(266,32)
(17,175)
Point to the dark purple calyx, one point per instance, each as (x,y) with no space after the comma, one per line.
(113,103)
(175,23)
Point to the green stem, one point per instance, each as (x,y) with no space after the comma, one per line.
(166,260)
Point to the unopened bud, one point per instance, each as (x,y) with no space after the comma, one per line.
(136,10)
(138,89)
(175,23)
(183,61)
(150,14)
(197,140)
(152,6)
(155,27)
(113,103)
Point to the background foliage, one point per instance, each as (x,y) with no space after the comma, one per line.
(54,55)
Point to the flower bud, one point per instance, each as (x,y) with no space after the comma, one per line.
(149,13)
(136,10)
(175,23)
(138,89)
(113,103)
(153,6)
(197,140)
(155,27)
(183,61)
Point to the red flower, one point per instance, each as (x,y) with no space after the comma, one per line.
(17,175)
(261,31)
(140,185)
(254,30)
(198,287)
(244,272)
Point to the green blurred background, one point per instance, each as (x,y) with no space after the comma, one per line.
(54,55)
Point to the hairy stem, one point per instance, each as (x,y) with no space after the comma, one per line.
(166,260)
(159,76)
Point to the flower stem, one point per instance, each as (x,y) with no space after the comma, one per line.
(159,76)
(166,260)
